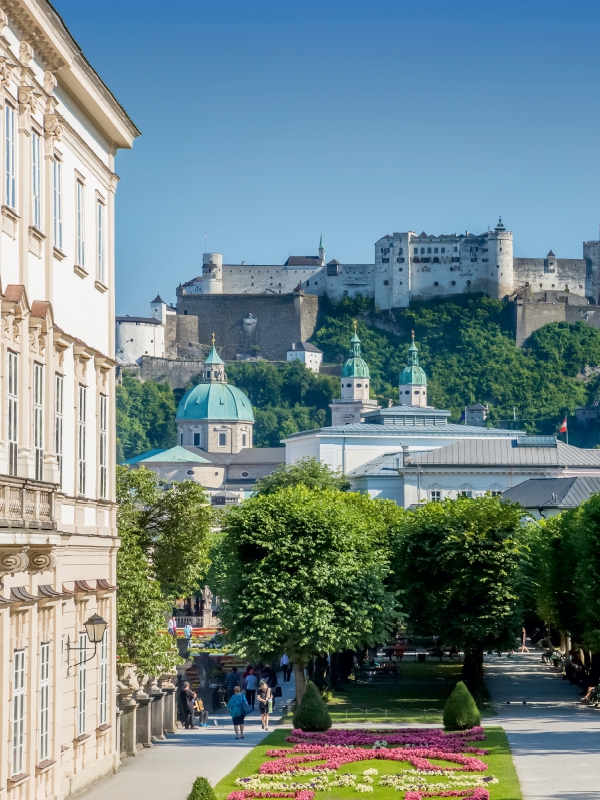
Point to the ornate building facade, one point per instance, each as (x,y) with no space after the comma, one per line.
(60,128)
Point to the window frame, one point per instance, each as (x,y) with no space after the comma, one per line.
(81,438)
(222,437)
(18,712)
(44,704)
(36,179)
(80,222)
(103,681)
(10,182)
(101,241)
(38,419)
(81,685)
(59,405)
(103,447)
(57,203)
(12,417)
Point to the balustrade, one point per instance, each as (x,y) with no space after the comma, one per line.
(26,504)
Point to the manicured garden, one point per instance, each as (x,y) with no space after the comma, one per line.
(418,763)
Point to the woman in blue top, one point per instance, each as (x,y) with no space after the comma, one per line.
(237,708)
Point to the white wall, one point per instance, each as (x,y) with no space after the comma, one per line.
(136,339)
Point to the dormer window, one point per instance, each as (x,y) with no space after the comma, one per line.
(359,385)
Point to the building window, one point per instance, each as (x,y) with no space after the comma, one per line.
(422,250)
(18,711)
(429,249)
(103,446)
(38,420)
(82,419)
(386,283)
(103,694)
(59,386)
(436,496)
(36,180)
(222,440)
(452,283)
(101,246)
(465,493)
(196,440)
(244,440)
(44,701)
(496,492)
(12,415)
(11,184)
(443,249)
(416,251)
(80,223)
(81,681)
(435,283)
(401,250)
(57,197)
(456,249)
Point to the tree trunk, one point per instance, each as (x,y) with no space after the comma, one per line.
(300,679)
(472,673)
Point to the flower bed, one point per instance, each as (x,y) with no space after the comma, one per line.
(292,772)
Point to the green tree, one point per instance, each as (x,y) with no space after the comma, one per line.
(461,566)
(163,554)
(304,574)
(145,416)
(306,472)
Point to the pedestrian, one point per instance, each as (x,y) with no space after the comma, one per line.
(524,648)
(201,713)
(187,631)
(238,710)
(250,685)
(231,681)
(187,703)
(172,626)
(285,666)
(265,703)
(272,684)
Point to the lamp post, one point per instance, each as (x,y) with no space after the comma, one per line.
(95,628)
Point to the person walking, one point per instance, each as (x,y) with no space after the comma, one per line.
(265,703)
(284,663)
(238,710)
(187,703)
(250,685)
(523,648)
(187,632)
(231,681)
(172,626)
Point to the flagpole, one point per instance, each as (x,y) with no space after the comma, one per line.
(567,427)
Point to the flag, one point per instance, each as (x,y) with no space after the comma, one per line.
(563,427)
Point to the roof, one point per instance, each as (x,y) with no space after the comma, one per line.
(553,492)
(307,346)
(334,261)
(215,401)
(417,429)
(213,357)
(303,261)
(506,452)
(176,455)
(144,456)
(145,320)
(385,464)
(157,299)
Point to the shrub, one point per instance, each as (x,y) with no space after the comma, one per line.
(460,711)
(312,714)
(201,790)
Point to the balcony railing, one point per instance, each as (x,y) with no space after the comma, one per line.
(26,504)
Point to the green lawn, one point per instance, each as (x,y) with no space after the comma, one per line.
(419,696)
(499,762)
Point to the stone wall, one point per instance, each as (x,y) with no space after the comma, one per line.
(529,316)
(259,325)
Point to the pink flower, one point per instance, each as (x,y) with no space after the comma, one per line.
(471,794)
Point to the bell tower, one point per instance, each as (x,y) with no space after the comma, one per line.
(355,382)
(412,389)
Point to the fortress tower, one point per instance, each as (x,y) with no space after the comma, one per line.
(412,389)
(355,383)
(500,261)
(212,273)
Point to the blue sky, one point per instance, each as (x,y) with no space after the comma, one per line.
(265,123)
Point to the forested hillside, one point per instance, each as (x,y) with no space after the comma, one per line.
(466,346)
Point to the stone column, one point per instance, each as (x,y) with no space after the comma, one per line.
(156,712)
(128,727)
(144,718)
(169,704)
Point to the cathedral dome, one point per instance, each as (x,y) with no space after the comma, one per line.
(355,366)
(413,374)
(215,401)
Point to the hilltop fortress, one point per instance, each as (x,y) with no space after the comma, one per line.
(409,266)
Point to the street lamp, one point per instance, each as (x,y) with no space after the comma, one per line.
(95,628)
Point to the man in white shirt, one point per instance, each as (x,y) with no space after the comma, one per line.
(250,684)
(286,667)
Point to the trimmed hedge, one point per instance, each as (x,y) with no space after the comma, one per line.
(312,714)
(201,790)
(460,711)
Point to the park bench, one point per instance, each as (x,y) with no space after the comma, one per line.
(378,675)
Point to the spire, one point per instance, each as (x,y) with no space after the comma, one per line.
(355,344)
(355,366)
(413,353)
(213,367)
(500,225)
(321,241)
(321,250)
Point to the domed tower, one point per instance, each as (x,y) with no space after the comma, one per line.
(355,381)
(214,416)
(500,261)
(413,381)
(212,273)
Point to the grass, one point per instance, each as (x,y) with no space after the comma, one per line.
(419,696)
(499,762)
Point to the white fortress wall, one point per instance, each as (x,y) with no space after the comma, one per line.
(547,274)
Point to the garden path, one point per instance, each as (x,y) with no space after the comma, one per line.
(168,770)
(555,741)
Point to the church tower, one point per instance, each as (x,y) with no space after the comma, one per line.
(413,381)
(322,252)
(355,382)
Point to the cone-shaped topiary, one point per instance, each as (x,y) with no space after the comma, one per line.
(312,714)
(201,790)
(460,711)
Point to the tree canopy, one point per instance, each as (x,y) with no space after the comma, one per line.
(145,416)
(306,472)
(304,573)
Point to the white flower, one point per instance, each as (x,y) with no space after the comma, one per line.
(372,771)
(363,787)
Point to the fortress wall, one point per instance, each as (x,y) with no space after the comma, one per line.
(280,320)
(567,272)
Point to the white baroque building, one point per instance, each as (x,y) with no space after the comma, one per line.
(410,266)
(60,128)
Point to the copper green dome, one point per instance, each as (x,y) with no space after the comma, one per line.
(215,401)
(355,366)
(412,372)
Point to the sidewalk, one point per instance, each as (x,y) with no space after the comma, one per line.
(167,770)
(555,741)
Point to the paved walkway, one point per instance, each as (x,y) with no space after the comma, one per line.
(555,741)
(167,770)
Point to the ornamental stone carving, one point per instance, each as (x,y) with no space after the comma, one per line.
(10,328)
(41,559)
(12,560)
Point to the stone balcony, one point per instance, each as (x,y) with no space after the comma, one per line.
(26,504)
